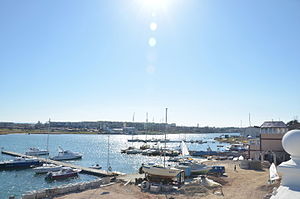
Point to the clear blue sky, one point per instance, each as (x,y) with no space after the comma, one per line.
(214,62)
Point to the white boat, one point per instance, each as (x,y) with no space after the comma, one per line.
(47,168)
(66,155)
(184,149)
(36,151)
(65,172)
(96,166)
(161,171)
(33,151)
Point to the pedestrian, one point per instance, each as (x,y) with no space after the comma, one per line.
(234,167)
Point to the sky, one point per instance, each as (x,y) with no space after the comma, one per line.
(210,62)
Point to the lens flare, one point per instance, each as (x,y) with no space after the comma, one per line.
(152,42)
(153,26)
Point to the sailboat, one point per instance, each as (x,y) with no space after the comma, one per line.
(273,173)
(34,151)
(185,161)
(159,170)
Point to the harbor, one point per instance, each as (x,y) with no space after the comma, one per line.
(92,153)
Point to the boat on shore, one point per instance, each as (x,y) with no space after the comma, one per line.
(64,173)
(160,171)
(195,167)
(19,163)
(47,168)
(67,155)
(36,152)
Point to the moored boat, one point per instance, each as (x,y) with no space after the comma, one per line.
(64,173)
(67,155)
(96,166)
(19,163)
(36,151)
(47,168)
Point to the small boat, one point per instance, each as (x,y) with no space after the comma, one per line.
(19,163)
(65,172)
(145,146)
(196,168)
(96,166)
(66,155)
(160,171)
(47,168)
(36,151)
(134,151)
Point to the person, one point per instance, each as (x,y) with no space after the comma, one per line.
(235,167)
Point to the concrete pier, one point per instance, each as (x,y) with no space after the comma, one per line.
(86,170)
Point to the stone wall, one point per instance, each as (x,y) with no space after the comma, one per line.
(65,189)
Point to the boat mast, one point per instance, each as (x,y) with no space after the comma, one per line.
(166,137)
(146,126)
(48,136)
(108,164)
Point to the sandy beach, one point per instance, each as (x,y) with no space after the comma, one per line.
(240,184)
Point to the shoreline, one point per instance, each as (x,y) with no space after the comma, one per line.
(92,133)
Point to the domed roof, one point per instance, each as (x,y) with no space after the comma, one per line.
(291,143)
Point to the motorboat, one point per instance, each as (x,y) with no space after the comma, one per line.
(160,171)
(36,152)
(65,172)
(47,168)
(96,166)
(19,163)
(66,155)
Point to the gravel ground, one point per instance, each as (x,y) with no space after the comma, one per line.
(240,184)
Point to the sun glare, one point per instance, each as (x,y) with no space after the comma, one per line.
(154,4)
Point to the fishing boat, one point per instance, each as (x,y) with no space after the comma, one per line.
(66,155)
(36,152)
(65,172)
(160,171)
(19,163)
(47,168)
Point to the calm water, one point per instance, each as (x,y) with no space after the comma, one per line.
(94,148)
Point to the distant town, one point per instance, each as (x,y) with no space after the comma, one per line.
(109,127)
(113,127)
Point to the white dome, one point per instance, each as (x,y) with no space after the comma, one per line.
(291,143)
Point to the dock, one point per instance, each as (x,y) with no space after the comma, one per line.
(86,170)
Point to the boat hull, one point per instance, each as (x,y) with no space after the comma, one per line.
(46,170)
(37,153)
(62,176)
(12,165)
(162,172)
(65,158)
